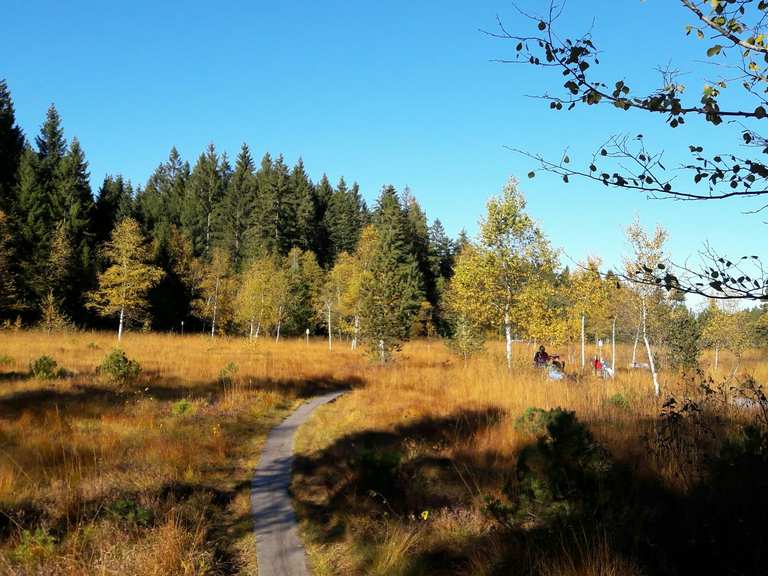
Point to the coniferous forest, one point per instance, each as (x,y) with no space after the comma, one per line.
(202,223)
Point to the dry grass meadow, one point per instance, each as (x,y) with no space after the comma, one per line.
(152,477)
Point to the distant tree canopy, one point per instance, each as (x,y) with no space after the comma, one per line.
(248,246)
(259,249)
(734,35)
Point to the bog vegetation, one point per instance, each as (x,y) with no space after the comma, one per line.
(638,444)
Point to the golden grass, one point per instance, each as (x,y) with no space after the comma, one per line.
(82,459)
(475,405)
(178,445)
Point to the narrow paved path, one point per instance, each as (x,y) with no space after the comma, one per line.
(278,547)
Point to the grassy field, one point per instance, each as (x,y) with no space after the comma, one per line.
(414,471)
(146,478)
(400,476)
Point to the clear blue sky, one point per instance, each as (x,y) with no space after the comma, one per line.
(397,92)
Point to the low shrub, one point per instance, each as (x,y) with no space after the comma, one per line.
(34,547)
(46,368)
(618,400)
(118,368)
(182,407)
(563,474)
(128,511)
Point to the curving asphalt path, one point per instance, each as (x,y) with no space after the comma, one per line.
(278,547)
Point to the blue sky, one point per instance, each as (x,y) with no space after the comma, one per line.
(396,92)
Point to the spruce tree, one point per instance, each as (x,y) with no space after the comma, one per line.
(283,208)
(344,219)
(113,204)
(10,298)
(160,204)
(236,208)
(203,194)
(306,208)
(11,148)
(441,249)
(32,217)
(51,149)
(390,295)
(323,194)
(418,237)
(260,235)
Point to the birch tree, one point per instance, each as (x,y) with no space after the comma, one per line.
(646,259)
(255,296)
(216,291)
(124,285)
(513,251)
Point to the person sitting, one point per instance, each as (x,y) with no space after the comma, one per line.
(597,364)
(541,358)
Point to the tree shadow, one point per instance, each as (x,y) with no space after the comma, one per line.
(559,503)
(14,376)
(367,474)
(94,400)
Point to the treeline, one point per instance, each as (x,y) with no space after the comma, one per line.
(207,227)
(264,250)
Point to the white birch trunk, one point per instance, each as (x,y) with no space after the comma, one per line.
(634,348)
(250,335)
(717,357)
(215,309)
(330,330)
(651,363)
(357,330)
(120,326)
(508,336)
(583,357)
(279,322)
(613,349)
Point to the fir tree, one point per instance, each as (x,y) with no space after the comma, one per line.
(418,238)
(306,208)
(442,251)
(33,225)
(260,236)
(390,295)
(323,194)
(203,194)
(11,148)
(10,301)
(161,203)
(114,203)
(344,219)
(236,208)
(51,149)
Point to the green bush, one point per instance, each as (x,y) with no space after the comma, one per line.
(182,407)
(128,511)
(227,374)
(566,473)
(118,368)
(618,400)
(533,421)
(34,546)
(378,470)
(46,368)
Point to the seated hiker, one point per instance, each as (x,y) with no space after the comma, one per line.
(597,364)
(557,362)
(541,358)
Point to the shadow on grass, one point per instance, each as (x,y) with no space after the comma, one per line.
(14,376)
(93,400)
(566,502)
